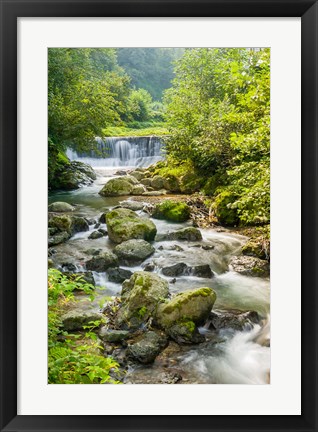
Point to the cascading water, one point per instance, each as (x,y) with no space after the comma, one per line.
(122,151)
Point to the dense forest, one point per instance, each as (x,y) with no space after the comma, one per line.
(209,108)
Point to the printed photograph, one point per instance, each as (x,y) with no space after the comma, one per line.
(159,215)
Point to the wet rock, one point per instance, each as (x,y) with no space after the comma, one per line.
(176,248)
(90,221)
(140,296)
(116,187)
(79,224)
(52,231)
(102,262)
(103,232)
(74,175)
(203,271)
(149,267)
(61,237)
(102,217)
(68,267)
(121,173)
(118,275)
(93,251)
(250,266)
(62,223)
(172,211)
(175,270)
(189,234)
(97,225)
(138,175)
(146,181)
(185,332)
(51,252)
(60,206)
(236,320)
(95,235)
(208,247)
(110,335)
(76,319)
(147,347)
(124,224)
(132,205)
(133,252)
(193,305)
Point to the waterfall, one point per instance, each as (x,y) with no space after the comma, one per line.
(122,151)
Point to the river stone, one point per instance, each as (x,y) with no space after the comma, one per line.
(250,266)
(133,252)
(60,206)
(203,271)
(58,238)
(234,319)
(77,318)
(175,270)
(95,235)
(172,211)
(189,233)
(79,224)
(138,190)
(158,182)
(110,335)
(255,249)
(63,223)
(132,205)
(124,224)
(102,262)
(102,231)
(194,305)
(81,277)
(116,187)
(132,180)
(140,296)
(185,332)
(118,275)
(147,347)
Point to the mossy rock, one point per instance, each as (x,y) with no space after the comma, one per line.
(191,183)
(102,262)
(117,187)
(124,224)
(158,182)
(172,211)
(58,238)
(224,212)
(60,206)
(133,252)
(138,175)
(76,319)
(194,305)
(254,249)
(138,189)
(63,223)
(185,332)
(79,224)
(140,296)
(172,184)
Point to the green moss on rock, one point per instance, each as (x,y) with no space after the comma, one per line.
(172,210)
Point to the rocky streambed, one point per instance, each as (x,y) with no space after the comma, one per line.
(177,303)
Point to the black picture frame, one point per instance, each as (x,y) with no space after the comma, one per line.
(10,11)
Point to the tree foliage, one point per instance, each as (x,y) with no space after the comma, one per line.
(218,112)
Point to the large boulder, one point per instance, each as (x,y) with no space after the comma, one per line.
(194,305)
(146,348)
(58,238)
(133,252)
(140,296)
(189,234)
(250,266)
(60,206)
(158,182)
(185,332)
(172,211)
(79,224)
(77,318)
(102,262)
(138,189)
(62,223)
(124,224)
(75,175)
(175,270)
(113,336)
(172,184)
(116,187)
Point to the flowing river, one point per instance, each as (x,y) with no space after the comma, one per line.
(231,357)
